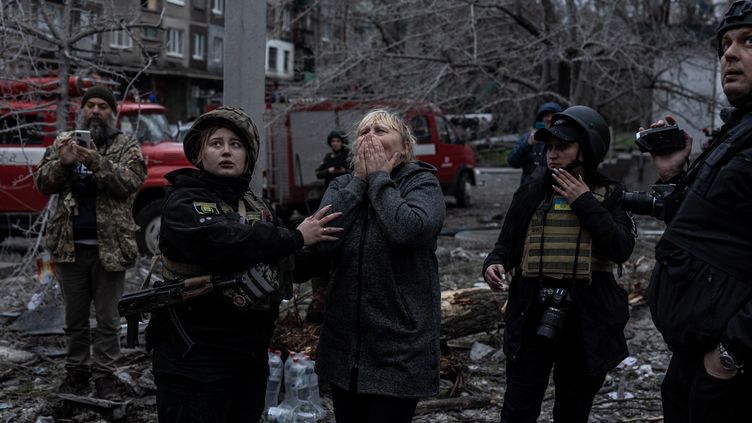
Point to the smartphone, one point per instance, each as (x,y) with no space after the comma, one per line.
(539,125)
(82,137)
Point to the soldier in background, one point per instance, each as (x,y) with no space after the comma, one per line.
(92,236)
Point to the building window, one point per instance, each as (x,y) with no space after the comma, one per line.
(120,39)
(150,33)
(271,59)
(218,7)
(286,63)
(199,46)
(177,2)
(150,4)
(326,32)
(175,42)
(217,48)
(285,19)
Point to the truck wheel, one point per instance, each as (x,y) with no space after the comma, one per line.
(462,191)
(149,219)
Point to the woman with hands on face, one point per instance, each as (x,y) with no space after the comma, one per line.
(379,345)
(562,237)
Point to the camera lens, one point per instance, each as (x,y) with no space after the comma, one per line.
(638,203)
(551,322)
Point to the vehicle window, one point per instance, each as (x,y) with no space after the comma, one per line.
(23,129)
(146,127)
(441,127)
(420,128)
(453,138)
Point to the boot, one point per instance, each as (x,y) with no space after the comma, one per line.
(76,382)
(107,387)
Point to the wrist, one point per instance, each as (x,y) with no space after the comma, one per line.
(728,360)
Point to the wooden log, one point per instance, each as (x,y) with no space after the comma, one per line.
(459,403)
(471,310)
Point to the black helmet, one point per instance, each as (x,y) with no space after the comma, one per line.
(336,134)
(738,15)
(230,118)
(583,124)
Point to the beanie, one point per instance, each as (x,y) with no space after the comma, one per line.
(100,92)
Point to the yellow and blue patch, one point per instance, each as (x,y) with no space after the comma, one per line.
(561,204)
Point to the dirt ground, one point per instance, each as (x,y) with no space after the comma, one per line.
(473,368)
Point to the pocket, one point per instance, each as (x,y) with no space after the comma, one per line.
(128,247)
(403,304)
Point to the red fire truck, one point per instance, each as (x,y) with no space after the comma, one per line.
(27,127)
(296,144)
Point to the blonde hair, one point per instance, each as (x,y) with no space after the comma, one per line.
(393,121)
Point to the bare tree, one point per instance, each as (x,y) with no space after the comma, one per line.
(507,56)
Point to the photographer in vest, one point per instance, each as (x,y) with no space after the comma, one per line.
(562,238)
(701,293)
(210,361)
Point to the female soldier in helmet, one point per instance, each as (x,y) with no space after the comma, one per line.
(210,361)
(563,235)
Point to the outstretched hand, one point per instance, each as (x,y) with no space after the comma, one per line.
(314,227)
(495,276)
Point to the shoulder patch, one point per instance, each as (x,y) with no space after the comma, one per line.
(205,209)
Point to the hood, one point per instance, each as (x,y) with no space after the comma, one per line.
(551,106)
(404,170)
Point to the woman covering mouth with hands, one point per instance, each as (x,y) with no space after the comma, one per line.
(379,345)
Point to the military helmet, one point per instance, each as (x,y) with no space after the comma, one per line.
(336,134)
(584,125)
(738,15)
(231,118)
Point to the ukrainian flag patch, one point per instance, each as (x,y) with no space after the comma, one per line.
(561,204)
(206,209)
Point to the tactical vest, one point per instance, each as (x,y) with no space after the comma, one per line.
(556,246)
(279,274)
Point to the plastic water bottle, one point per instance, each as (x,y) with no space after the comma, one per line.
(313,387)
(288,363)
(274,381)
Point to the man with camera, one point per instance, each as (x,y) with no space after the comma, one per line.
(529,154)
(701,293)
(562,237)
(96,172)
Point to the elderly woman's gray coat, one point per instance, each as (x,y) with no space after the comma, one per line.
(381,331)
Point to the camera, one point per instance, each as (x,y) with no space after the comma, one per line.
(662,140)
(557,301)
(651,203)
(82,137)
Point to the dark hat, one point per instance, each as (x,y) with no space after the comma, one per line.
(100,92)
(563,129)
(336,134)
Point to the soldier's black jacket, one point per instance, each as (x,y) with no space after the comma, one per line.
(214,340)
(701,288)
(335,159)
(601,304)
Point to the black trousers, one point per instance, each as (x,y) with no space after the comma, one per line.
(691,395)
(527,377)
(183,400)
(350,407)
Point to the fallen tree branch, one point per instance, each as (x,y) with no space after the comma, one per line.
(445,404)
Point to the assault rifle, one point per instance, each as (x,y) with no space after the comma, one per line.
(250,285)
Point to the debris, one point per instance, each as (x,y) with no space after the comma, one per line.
(479,351)
(15,356)
(445,404)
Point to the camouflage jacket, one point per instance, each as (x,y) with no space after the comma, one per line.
(119,171)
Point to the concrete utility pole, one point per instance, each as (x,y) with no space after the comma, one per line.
(245,52)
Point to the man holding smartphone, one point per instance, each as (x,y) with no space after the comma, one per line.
(527,153)
(96,172)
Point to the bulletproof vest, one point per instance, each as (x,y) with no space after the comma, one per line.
(278,274)
(557,247)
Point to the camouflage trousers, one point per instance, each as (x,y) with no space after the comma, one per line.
(83,282)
